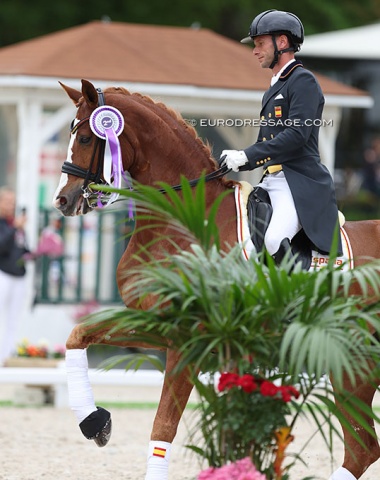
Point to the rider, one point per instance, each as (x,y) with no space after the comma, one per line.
(300,188)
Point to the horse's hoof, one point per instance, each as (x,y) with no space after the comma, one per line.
(97,426)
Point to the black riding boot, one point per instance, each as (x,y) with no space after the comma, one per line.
(283,250)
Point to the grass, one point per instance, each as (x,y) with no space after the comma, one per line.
(129,405)
(109,404)
(139,405)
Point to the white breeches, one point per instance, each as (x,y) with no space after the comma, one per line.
(12,300)
(285,222)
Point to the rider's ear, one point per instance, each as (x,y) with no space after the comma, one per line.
(89,93)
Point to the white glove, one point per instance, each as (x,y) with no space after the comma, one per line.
(234,159)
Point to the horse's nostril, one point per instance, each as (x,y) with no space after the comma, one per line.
(62,201)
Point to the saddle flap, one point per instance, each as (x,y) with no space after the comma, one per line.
(259,210)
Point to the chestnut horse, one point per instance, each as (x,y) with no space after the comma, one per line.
(156,144)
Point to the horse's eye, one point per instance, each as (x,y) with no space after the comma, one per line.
(84,140)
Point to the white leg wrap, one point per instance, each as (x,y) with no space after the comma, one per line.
(81,399)
(342,474)
(158,460)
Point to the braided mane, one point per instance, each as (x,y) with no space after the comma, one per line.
(145,99)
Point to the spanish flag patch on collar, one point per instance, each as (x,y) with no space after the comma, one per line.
(159,452)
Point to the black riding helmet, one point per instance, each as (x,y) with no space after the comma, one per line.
(276,22)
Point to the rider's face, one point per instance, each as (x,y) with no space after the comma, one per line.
(264,50)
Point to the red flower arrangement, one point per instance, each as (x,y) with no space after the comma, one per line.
(248,383)
(246,416)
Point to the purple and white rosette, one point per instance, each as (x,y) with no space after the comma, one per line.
(107,123)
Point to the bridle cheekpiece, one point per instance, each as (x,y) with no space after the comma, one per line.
(106,123)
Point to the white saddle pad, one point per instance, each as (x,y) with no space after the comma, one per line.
(242,191)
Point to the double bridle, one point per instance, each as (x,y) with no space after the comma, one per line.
(91,178)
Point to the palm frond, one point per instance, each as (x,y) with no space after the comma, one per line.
(220,311)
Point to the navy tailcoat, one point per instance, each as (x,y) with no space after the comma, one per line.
(289,126)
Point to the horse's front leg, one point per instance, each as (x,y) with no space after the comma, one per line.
(357,457)
(174,397)
(94,422)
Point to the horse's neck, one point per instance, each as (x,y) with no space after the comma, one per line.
(163,147)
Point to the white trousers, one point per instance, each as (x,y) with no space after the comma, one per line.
(285,221)
(12,300)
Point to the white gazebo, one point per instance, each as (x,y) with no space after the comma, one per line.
(351,55)
(360,43)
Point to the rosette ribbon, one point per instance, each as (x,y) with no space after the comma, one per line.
(107,123)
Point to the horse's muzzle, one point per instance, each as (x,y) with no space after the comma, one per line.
(71,206)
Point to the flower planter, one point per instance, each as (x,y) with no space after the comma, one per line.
(32,395)
(32,362)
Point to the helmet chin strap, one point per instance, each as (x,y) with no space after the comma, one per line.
(278,52)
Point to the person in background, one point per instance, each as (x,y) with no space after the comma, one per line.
(371,174)
(13,247)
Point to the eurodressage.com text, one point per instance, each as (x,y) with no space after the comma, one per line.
(256,122)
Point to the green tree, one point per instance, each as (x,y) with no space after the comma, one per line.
(23,20)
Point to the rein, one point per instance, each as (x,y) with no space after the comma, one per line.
(91,178)
(219,173)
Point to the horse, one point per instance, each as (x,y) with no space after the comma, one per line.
(157,145)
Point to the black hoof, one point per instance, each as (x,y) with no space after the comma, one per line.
(97,426)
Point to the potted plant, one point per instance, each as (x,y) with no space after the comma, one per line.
(265,335)
(36,355)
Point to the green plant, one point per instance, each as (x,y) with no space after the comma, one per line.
(278,324)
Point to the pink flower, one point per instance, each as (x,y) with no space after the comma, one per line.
(207,474)
(85,309)
(240,470)
(248,470)
(50,244)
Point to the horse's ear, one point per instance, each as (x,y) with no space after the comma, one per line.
(72,93)
(89,93)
